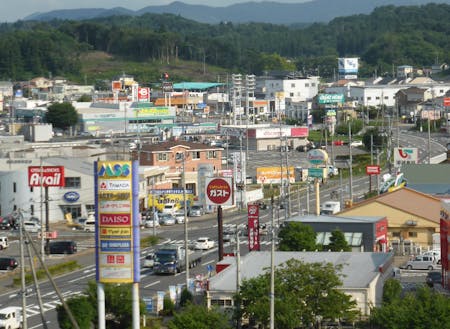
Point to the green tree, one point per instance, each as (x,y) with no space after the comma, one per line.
(296,236)
(304,292)
(421,310)
(373,135)
(83,311)
(392,290)
(199,317)
(61,115)
(338,242)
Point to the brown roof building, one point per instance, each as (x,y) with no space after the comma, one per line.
(413,217)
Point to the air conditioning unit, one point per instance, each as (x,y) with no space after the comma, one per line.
(411,222)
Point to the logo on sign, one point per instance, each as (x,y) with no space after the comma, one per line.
(114,185)
(46,176)
(71,196)
(218,191)
(114,170)
(115,219)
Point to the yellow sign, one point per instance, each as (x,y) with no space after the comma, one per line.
(115,231)
(159,198)
(268,175)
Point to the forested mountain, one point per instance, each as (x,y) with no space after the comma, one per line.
(388,36)
(273,12)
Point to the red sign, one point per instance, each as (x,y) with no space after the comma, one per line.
(253,227)
(218,191)
(49,176)
(446,101)
(143,94)
(373,170)
(115,219)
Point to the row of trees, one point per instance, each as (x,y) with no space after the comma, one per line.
(389,36)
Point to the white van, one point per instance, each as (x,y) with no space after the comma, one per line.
(11,317)
(89,225)
(170,208)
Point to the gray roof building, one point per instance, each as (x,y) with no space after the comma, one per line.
(363,278)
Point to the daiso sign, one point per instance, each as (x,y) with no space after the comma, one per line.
(46,176)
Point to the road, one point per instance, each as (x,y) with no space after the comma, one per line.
(74,283)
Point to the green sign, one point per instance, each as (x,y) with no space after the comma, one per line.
(331,98)
(316,172)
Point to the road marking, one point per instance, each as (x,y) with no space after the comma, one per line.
(82,277)
(152,284)
(211,261)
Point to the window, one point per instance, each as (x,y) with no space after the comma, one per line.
(72,182)
(195,155)
(396,234)
(412,234)
(306,85)
(291,94)
(14,187)
(163,157)
(212,155)
(313,84)
(369,98)
(292,85)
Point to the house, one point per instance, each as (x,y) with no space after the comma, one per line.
(363,278)
(412,217)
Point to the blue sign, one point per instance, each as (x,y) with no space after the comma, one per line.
(71,196)
(115,245)
(148,304)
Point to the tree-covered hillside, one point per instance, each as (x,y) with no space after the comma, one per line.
(388,36)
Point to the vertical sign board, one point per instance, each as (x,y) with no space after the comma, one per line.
(117,241)
(253,227)
(445,236)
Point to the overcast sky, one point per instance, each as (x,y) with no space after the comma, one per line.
(14,10)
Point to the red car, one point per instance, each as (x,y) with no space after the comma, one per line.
(338,143)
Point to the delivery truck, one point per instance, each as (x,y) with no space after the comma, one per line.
(171,259)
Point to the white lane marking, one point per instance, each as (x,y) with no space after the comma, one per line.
(152,284)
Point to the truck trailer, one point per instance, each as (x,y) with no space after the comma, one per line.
(171,259)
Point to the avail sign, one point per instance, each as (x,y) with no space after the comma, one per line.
(46,176)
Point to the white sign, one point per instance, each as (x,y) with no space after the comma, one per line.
(317,157)
(404,155)
(114,185)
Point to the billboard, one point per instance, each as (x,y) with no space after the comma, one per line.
(161,197)
(117,242)
(46,176)
(348,67)
(273,175)
(404,155)
(219,191)
(331,98)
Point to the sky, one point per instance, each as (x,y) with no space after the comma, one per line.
(18,9)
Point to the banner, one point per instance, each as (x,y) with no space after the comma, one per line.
(253,227)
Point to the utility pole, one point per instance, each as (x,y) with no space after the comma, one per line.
(350,165)
(272,268)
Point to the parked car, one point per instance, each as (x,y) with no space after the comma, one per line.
(4,242)
(179,216)
(204,243)
(62,247)
(149,260)
(170,208)
(8,263)
(306,148)
(150,222)
(167,219)
(356,143)
(196,211)
(433,277)
(422,262)
(89,225)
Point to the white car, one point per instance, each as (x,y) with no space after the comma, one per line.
(149,260)
(167,219)
(356,143)
(179,217)
(204,243)
(151,223)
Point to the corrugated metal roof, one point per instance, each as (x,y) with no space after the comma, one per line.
(359,268)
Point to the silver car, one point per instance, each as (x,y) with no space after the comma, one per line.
(422,262)
(196,211)
(167,219)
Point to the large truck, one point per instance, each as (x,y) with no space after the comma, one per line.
(171,259)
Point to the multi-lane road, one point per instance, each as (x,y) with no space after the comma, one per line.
(74,283)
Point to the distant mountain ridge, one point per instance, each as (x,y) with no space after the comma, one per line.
(261,12)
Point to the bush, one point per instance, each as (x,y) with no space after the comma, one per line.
(54,270)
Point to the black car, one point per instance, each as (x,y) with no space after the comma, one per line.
(62,247)
(8,263)
(433,277)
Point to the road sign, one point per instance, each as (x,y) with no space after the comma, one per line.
(316,172)
(219,191)
(446,101)
(373,170)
